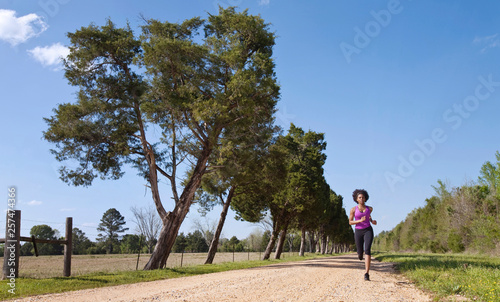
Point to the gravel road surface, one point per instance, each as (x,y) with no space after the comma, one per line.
(337,278)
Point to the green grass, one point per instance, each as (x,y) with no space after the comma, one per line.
(475,277)
(29,286)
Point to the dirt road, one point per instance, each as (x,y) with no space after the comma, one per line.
(329,279)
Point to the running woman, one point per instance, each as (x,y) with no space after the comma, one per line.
(361,217)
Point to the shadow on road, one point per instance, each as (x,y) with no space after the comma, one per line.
(350,261)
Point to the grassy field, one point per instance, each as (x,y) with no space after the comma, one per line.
(475,277)
(52,266)
(91,271)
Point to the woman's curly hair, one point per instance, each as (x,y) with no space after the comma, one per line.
(357,192)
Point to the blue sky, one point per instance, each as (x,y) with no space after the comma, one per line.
(406,92)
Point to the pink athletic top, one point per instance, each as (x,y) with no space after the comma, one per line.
(358,215)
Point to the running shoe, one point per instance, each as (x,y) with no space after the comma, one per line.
(367,277)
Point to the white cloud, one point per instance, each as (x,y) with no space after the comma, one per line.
(264,2)
(487,42)
(16,30)
(483,39)
(50,55)
(34,203)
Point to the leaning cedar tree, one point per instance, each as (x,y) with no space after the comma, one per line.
(204,94)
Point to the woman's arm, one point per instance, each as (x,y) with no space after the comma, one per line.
(371,220)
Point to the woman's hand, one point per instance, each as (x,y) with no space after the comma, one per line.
(374,222)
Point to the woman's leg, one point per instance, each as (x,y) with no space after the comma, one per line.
(368,239)
(368,261)
(359,239)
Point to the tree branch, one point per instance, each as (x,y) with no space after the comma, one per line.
(174,165)
(164,173)
(200,136)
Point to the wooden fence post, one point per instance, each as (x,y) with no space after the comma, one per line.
(139,254)
(33,240)
(13,239)
(68,247)
(12,244)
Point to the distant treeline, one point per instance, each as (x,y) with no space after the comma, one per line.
(455,219)
(195,242)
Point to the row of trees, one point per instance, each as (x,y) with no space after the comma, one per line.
(459,219)
(197,243)
(108,240)
(193,242)
(285,180)
(126,244)
(213,99)
(256,242)
(129,243)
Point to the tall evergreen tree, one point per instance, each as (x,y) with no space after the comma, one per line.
(111,225)
(240,173)
(202,93)
(304,177)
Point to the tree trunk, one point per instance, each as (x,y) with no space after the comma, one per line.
(172,220)
(312,243)
(302,242)
(323,242)
(270,245)
(281,242)
(278,220)
(166,239)
(290,240)
(215,241)
(329,249)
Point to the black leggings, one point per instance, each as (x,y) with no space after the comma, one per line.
(364,238)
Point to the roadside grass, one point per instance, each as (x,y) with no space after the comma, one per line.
(25,287)
(445,275)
